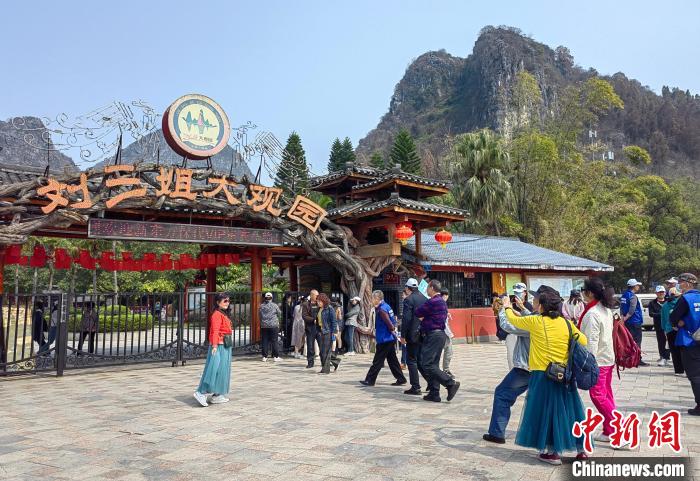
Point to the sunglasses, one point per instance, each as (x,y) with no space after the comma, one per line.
(225,300)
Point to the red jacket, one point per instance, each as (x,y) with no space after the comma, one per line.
(219,325)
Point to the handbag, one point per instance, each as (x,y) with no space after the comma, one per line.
(555,371)
(228,340)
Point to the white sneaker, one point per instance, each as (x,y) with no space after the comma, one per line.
(662,363)
(350,353)
(201,398)
(679,374)
(602,438)
(218,399)
(277,359)
(264,359)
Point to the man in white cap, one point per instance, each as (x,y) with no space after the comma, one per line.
(631,311)
(655,308)
(270,314)
(410,334)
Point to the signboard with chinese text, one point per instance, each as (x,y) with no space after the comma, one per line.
(200,234)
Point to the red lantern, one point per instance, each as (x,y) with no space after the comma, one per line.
(38,257)
(404,231)
(14,252)
(443,237)
(61,259)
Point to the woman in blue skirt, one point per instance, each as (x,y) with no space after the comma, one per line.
(552,408)
(216,377)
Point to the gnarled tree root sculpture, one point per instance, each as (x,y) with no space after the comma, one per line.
(331,243)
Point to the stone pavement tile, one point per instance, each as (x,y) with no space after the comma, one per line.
(326,426)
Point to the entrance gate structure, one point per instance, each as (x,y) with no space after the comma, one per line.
(234,220)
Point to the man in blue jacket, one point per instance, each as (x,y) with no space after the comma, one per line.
(631,310)
(385,334)
(686,317)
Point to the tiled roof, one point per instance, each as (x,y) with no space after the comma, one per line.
(403,176)
(355,169)
(369,206)
(499,252)
(12,174)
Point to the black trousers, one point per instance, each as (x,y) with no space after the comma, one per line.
(675,353)
(430,353)
(691,363)
(327,357)
(413,350)
(385,351)
(636,331)
(661,339)
(91,341)
(312,334)
(269,341)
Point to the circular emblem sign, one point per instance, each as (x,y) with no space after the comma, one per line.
(196,127)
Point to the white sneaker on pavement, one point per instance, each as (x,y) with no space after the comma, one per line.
(350,353)
(277,359)
(201,398)
(264,359)
(662,363)
(219,399)
(602,438)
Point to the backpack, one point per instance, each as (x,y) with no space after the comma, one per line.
(582,367)
(627,352)
(500,333)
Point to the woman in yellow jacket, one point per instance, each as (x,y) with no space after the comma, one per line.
(551,408)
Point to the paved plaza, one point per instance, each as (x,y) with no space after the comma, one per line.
(289,423)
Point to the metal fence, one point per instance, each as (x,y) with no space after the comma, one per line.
(58,331)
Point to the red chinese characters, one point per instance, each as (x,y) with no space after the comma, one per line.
(586,427)
(625,430)
(665,430)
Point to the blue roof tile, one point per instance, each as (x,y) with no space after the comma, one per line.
(499,252)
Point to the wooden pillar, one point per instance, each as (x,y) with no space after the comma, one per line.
(3,250)
(293,277)
(256,287)
(419,241)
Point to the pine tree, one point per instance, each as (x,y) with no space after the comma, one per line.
(293,173)
(404,152)
(377,161)
(335,159)
(348,152)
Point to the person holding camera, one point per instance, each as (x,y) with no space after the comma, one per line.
(552,407)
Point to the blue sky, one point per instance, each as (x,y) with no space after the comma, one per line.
(323,68)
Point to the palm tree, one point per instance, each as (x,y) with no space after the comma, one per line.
(480,165)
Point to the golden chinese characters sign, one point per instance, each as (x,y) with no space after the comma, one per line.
(176,183)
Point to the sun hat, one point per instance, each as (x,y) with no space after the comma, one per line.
(660,289)
(633,282)
(411,282)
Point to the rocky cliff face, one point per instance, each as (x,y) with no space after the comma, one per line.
(441,95)
(24,142)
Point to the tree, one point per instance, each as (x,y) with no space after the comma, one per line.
(293,173)
(404,152)
(341,153)
(348,152)
(377,161)
(637,155)
(479,170)
(335,159)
